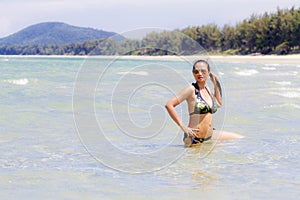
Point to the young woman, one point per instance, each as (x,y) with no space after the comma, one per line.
(202,103)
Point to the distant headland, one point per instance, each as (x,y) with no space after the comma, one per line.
(267,34)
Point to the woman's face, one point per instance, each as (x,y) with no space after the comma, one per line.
(201,72)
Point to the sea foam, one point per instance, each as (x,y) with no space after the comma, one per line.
(269,68)
(272,65)
(247,72)
(289,94)
(23,81)
(287,105)
(282,83)
(140,73)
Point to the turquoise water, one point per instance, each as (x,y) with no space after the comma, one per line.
(51,149)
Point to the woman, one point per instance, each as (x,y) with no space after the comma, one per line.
(201,105)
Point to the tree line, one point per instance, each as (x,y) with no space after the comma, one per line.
(269,33)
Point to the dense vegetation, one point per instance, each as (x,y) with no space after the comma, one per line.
(270,33)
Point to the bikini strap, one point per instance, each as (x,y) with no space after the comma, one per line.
(197,91)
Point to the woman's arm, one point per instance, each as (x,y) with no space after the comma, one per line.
(170,106)
(217,89)
(173,102)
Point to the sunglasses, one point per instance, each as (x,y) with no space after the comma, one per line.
(203,71)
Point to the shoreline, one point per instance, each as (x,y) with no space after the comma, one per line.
(268,59)
(276,59)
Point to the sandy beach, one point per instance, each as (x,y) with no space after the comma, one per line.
(271,59)
(287,59)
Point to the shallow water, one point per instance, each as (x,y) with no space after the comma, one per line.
(45,154)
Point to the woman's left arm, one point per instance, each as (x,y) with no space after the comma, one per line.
(217,89)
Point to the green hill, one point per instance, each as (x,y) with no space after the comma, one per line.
(53,33)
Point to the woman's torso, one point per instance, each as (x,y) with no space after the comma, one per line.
(201,106)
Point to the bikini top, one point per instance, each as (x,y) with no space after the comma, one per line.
(201,106)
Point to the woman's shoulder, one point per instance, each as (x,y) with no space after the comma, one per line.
(188,90)
(186,93)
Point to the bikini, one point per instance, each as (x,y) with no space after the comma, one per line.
(202,107)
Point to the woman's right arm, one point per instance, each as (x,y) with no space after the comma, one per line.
(176,100)
(170,106)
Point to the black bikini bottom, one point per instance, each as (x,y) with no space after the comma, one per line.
(200,140)
(196,140)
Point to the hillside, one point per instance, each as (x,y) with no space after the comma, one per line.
(53,33)
(269,33)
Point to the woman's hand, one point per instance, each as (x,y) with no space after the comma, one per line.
(189,131)
(213,78)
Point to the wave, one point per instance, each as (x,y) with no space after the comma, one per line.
(220,73)
(269,68)
(288,73)
(285,89)
(282,83)
(22,81)
(272,65)
(247,72)
(288,105)
(293,73)
(288,94)
(140,73)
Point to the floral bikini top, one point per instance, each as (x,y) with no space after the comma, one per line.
(201,106)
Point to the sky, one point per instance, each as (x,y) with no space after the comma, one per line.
(125,15)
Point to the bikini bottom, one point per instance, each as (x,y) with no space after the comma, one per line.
(196,140)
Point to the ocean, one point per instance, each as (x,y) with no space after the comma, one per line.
(96,128)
